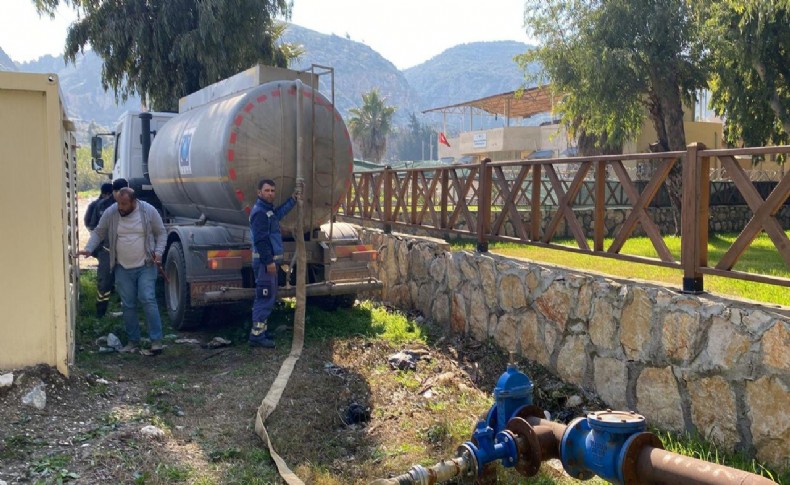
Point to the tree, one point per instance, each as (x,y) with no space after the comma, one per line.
(749,46)
(616,62)
(163,50)
(417,141)
(371,124)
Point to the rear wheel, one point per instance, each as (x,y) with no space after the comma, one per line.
(346,301)
(182,315)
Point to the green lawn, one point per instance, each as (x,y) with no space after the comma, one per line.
(761,257)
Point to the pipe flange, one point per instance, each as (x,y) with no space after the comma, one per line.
(530,411)
(468,453)
(527,445)
(630,455)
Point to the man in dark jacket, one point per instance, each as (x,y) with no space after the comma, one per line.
(91,218)
(103,274)
(267,254)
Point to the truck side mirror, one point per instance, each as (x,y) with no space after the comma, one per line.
(97,164)
(96,147)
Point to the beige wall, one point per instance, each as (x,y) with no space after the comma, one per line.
(38,284)
(707,132)
(510,143)
(514,143)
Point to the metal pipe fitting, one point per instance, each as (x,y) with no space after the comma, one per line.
(442,471)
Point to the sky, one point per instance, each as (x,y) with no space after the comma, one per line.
(406,32)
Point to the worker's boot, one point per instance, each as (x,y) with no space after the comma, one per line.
(259,337)
(101,308)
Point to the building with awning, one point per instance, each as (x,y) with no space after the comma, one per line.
(519,125)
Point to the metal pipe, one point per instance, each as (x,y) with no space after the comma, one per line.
(659,467)
(549,436)
(313,289)
(419,475)
(145,141)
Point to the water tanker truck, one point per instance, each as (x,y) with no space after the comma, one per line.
(200,167)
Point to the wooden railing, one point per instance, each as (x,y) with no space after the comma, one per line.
(477,200)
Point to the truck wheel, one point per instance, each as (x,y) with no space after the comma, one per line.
(182,315)
(346,301)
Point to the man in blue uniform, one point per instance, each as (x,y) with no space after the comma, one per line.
(267,254)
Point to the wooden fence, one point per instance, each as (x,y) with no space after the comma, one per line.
(477,200)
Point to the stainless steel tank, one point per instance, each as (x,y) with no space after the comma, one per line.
(208,161)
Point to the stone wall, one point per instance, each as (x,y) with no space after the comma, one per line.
(720,367)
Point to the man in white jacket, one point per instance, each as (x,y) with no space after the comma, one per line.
(137,239)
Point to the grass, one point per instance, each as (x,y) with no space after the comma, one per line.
(761,258)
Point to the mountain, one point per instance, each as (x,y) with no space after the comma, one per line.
(461,73)
(80,84)
(358,69)
(6,64)
(466,72)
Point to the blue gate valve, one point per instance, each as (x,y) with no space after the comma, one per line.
(513,390)
(597,444)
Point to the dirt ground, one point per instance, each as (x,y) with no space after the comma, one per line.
(346,416)
(205,401)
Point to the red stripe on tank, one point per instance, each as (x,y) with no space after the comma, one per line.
(262,98)
(240,195)
(337,117)
(307,94)
(233,138)
(292,90)
(231,155)
(238,120)
(276,93)
(247,210)
(249,107)
(232,174)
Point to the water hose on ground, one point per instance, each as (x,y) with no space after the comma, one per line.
(272,398)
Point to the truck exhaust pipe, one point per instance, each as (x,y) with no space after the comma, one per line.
(145,141)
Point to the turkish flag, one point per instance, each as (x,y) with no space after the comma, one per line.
(443,139)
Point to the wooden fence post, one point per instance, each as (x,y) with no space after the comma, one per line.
(444,199)
(535,221)
(694,214)
(387,200)
(600,205)
(484,206)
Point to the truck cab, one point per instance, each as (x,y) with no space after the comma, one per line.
(128,154)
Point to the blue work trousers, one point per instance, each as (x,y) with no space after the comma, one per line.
(139,284)
(265,292)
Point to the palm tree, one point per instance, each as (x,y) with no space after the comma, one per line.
(371,124)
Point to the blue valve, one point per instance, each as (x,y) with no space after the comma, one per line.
(488,448)
(513,390)
(594,445)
